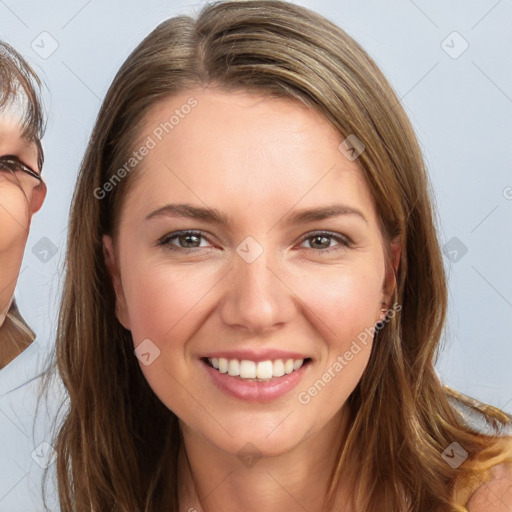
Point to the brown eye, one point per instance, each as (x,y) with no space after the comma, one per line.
(320,241)
(183,238)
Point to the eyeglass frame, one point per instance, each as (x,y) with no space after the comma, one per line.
(12,159)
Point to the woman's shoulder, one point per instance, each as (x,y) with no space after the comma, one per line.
(495,495)
(488,489)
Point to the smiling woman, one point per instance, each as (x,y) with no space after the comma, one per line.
(278,243)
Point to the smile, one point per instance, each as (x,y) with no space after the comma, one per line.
(253,370)
(256,381)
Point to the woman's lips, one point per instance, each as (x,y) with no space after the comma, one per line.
(251,388)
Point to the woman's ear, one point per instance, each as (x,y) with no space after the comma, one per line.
(38,196)
(113,269)
(392,265)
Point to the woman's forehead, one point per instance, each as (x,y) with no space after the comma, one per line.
(12,138)
(12,114)
(16,105)
(12,128)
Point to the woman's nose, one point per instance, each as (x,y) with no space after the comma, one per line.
(256,296)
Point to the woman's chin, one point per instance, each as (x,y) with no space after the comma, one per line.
(255,441)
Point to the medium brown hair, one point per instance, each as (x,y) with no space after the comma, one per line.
(118,446)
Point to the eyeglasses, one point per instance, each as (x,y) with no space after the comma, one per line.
(13,164)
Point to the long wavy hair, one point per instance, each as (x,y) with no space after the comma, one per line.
(118,446)
(19,80)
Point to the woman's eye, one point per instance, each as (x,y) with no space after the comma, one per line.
(187,241)
(321,241)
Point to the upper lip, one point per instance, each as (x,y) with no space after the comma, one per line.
(255,355)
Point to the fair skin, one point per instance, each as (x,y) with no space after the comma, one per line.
(495,495)
(256,160)
(18,202)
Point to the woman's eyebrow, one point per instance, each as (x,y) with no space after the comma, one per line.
(210,215)
(214,216)
(322,213)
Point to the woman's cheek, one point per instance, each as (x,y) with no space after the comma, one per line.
(345,300)
(12,246)
(163,300)
(14,219)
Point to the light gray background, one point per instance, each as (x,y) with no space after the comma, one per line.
(460,105)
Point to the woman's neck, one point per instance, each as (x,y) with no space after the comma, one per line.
(212,480)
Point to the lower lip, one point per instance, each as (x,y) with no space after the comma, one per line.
(253,391)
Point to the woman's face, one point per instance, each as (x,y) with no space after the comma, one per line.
(254,285)
(21,196)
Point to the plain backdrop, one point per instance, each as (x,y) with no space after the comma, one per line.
(449,63)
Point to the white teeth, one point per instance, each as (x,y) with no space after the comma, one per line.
(297,363)
(223,365)
(288,366)
(247,369)
(233,367)
(263,370)
(278,368)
